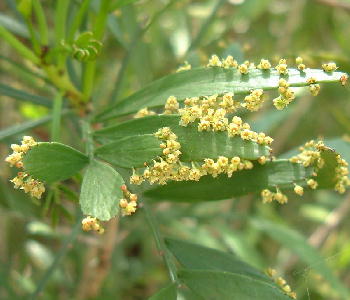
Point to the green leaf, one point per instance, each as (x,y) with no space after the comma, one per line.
(281,173)
(195,146)
(132,151)
(51,162)
(294,241)
(168,293)
(209,81)
(13,25)
(196,257)
(213,285)
(121,3)
(100,191)
(6,90)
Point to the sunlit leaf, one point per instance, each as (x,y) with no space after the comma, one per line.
(168,293)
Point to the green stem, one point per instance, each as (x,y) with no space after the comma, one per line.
(60,28)
(56,262)
(160,242)
(132,46)
(18,46)
(33,38)
(90,69)
(87,136)
(56,118)
(78,19)
(205,26)
(43,28)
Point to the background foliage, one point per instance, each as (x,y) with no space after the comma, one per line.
(143,41)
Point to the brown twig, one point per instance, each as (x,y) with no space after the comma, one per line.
(97,263)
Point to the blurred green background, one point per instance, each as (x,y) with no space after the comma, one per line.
(145,41)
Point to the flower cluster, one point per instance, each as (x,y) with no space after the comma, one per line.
(313,86)
(254,100)
(281,282)
(286,95)
(90,223)
(143,113)
(128,204)
(228,62)
(23,181)
(282,67)
(329,67)
(171,106)
(268,196)
(299,62)
(185,67)
(264,65)
(310,155)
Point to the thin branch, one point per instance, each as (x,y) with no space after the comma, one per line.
(163,251)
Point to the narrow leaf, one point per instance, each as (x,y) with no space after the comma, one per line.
(51,162)
(132,151)
(196,257)
(209,81)
(294,241)
(6,90)
(195,146)
(168,293)
(100,191)
(13,25)
(213,285)
(281,173)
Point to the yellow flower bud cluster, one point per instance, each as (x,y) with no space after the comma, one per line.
(171,106)
(299,62)
(341,175)
(268,196)
(212,116)
(143,113)
(185,67)
(313,86)
(286,95)
(329,67)
(15,159)
(254,100)
(23,181)
(282,67)
(228,62)
(128,204)
(264,64)
(281,282)
(310,155)
(90,223)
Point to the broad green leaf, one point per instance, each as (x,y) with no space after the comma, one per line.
(326,177)
(213,285)
(297,243)
(196,257)
(132,151)
(195,146)
(167,293)
(209,81)
(281,173)
(100,191)
(341,146)
(6,90)
(51,162)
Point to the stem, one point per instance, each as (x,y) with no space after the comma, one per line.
(56,118)
(87,136)
(205,26)
(60,28)
(78,19)
(163,251)
(98,30)
(33,38)
(62,252)
(132,46)
(15,43)
(43,28)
